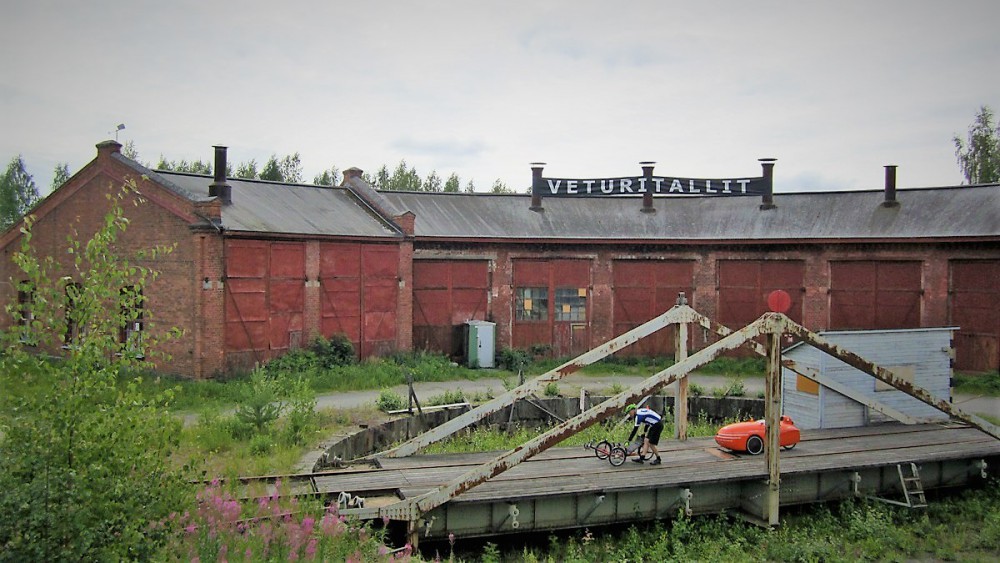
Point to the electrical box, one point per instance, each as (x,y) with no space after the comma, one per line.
(480,344)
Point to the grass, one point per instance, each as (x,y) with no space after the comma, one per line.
(964,527)
(484,439)
(977,383)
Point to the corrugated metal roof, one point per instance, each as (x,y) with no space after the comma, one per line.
(963,211)
(272,207)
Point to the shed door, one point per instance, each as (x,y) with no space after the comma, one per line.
(446,294)
(551,305)
(745,284)
(874,295)
(264,296)
(644,289)
(359,290)
(975,308)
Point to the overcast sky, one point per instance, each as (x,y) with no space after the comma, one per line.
(833,90)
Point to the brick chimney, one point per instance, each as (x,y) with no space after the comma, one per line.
(108,148)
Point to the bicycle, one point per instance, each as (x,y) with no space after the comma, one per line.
(616,452)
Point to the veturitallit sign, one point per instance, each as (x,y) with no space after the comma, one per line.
(656,185)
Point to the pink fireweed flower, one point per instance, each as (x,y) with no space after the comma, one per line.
(311,548)
(307,525)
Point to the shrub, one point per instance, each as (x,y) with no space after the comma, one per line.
(552,389)
(513,359)
(447,398)
(261,400)
(337,351)
(389,400)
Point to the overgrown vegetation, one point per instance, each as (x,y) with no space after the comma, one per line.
(615,430)
(85,465)
(855,530)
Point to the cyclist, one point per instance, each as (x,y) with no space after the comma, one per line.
(654,426)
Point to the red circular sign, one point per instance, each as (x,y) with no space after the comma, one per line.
(779,301)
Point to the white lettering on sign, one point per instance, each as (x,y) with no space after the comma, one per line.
(638,185)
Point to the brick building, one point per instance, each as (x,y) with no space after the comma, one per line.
(262,267)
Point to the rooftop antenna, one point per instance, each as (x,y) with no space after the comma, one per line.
(117,129)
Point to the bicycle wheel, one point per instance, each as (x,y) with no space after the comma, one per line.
(646,456)
(602,449)
(617,456)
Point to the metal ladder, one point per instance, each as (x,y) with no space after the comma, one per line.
(913,489)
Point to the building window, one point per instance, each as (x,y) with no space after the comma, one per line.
(571,304)
(532,304)
(130,334)
(25,312)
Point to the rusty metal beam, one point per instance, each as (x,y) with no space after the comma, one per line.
(676,314)
(681,396)
(412,508)
(772,425)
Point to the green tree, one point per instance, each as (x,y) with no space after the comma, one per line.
(432,183)
(18,193)
(271,170)
(979,155)
(291,169)
(247,170)
(329,177)
(404,179)
(382,178)
(500,188)
(470,188)
(60,175)
(129,151)
(453,183)
(84,470)
(182,165)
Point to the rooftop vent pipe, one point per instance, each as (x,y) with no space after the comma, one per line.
(767,199)
(220,188)
(536,186)
(647,197)
(890,186)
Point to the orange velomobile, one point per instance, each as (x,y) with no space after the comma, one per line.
(749,436)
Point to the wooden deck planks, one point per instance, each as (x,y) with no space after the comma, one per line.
(560,471)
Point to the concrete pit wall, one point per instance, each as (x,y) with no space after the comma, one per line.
(374,439)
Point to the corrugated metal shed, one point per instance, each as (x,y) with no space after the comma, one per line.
(922,356)
(966,211)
